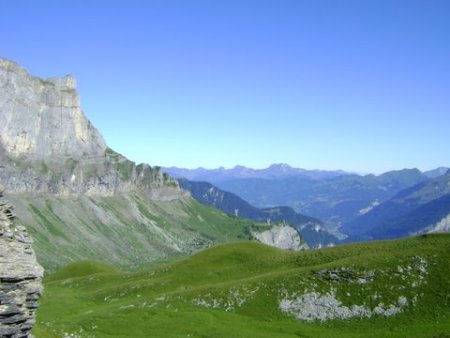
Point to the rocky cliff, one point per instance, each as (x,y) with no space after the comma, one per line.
(20,276)
(43,118)
(47,145)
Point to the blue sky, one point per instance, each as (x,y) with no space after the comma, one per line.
(354,85)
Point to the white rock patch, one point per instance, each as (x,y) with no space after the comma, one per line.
(313,306)
(283,237)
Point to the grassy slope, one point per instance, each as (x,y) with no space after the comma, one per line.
(90,300)
(128,231)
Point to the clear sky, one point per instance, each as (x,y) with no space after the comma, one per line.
(354,85)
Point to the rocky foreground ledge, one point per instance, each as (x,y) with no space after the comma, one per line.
(20,276)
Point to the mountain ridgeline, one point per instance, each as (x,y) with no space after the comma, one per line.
(275,171)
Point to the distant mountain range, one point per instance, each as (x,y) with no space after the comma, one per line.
(335,197)
(311,229)
(275,171)
(361,207)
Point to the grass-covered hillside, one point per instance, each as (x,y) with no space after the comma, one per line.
(127,230)
(380,289)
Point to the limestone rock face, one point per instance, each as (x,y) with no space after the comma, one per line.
(47,145)
(20,276)
(283,237)
(43,118)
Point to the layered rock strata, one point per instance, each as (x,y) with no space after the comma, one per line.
(20,276)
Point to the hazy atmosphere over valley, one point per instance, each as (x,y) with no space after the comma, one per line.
(224,169)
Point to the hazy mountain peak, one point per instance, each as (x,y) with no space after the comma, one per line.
(279,166)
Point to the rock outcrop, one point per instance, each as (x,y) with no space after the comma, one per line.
(47,145)
(20,276)
(283,237)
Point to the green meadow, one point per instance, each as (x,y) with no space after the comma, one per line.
(236,290)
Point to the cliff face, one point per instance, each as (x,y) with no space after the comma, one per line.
(47,145)
(20,276)
(43,118)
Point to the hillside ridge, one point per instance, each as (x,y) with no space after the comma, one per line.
(247,289)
